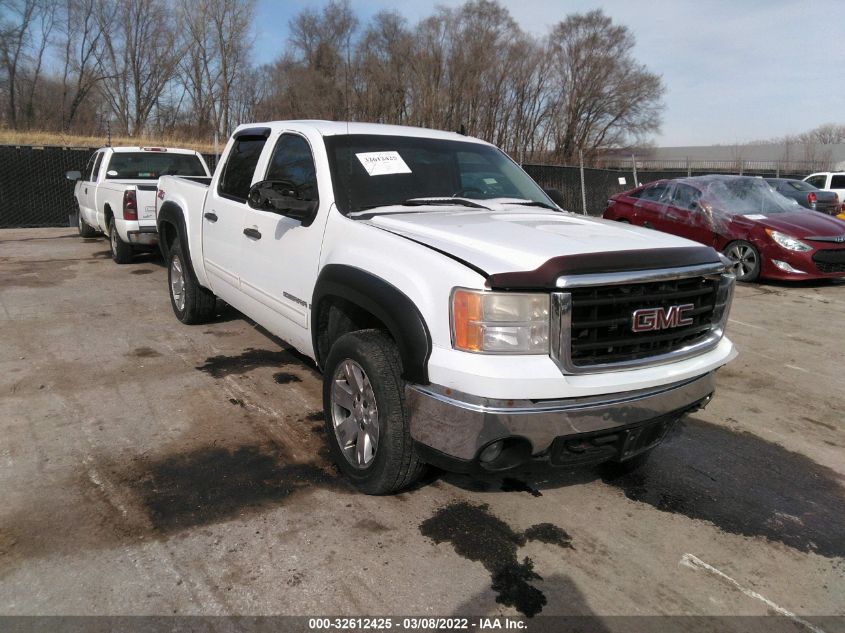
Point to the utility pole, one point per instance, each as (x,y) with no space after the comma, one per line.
(583,190)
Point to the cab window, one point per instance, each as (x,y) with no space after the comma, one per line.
(95,166)
(292,162)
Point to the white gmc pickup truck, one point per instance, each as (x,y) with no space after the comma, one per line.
(460,318)
(116,193)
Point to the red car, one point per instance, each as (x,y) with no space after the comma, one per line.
(763,232)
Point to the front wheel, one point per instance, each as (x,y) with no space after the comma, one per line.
(745,258)
(191,302)
(121,252)
(366,419)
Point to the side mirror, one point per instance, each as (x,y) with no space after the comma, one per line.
(282,197)
(73,176)
(557,197)
(694,206)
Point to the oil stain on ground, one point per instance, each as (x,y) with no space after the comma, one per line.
(743,485)
(478,535)
(214,484)
(284,377)
(142,271)
(144,352)
(36,274)
(219,366)
(511,484)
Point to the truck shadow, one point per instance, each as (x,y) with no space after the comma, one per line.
(735,480)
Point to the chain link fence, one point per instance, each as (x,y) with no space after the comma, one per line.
(33,189)
(35,193)
(601,184)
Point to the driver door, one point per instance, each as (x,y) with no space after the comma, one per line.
(279,256)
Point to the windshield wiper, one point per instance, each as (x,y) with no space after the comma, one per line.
(465,202)
(537,203)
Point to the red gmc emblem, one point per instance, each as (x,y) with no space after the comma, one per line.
(650,319)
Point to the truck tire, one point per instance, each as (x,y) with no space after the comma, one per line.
(191,302)
(82,225)
(121,252)
(365,414)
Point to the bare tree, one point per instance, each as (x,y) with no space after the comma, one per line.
(319,49)
(139,57)
(24,36)
(216,60)
(381,81)
(604,97)
(81,39)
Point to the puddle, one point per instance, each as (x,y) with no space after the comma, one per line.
(743,485)
(221,333)
(214,484)
(478,535)
(219,366)
(142,271)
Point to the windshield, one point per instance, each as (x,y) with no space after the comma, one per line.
(745,196)
(151,165)
(371,171)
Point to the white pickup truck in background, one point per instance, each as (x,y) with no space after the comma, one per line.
(116,193)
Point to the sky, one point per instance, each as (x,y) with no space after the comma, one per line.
(735,71)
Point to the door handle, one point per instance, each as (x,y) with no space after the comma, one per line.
(211,217)
(253,233)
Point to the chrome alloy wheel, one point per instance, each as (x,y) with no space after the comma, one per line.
(177,284)
(744,258)
(354,414)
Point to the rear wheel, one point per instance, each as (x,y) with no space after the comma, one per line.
(191,302)
(121,252)
(82,225)
(366,419)
(745,258)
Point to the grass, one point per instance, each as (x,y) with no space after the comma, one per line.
(37,138)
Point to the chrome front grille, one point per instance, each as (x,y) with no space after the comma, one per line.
(593,324)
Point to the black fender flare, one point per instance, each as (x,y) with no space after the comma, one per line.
(387,303)
(171,213)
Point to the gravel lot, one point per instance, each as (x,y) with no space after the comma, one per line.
(149,467)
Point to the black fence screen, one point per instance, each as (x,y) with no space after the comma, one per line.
(34,191)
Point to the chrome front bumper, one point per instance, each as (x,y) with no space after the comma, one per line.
(459,426)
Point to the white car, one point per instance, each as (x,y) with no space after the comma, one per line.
(116,193)
(459,317)
(829,181)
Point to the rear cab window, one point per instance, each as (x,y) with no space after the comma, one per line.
(236,177)
(152,165)
(837,182)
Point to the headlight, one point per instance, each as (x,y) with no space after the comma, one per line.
(789,243)
(500,322)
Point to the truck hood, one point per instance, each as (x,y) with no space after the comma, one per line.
(515,237)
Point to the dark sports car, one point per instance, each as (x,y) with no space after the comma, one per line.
(807,195)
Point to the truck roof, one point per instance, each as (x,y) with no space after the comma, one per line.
(150,148)
(340,128)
